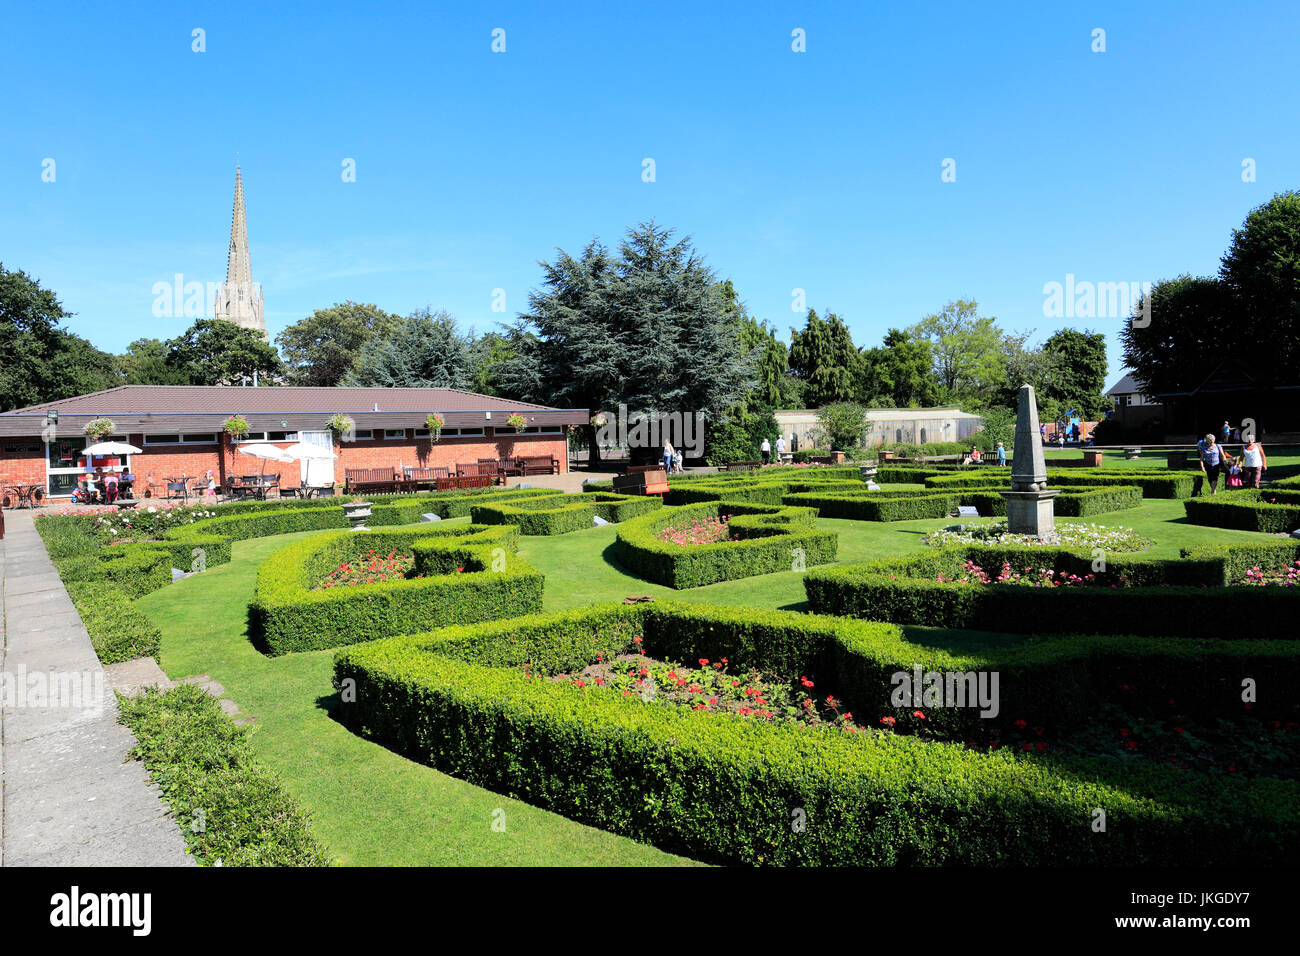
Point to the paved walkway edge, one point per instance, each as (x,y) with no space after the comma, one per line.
(68,795)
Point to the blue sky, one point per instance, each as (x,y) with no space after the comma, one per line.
(818,171)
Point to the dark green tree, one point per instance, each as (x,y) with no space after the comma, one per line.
(1173,343)
(647,327)
(217,352)
(494,349)
(425,350)
(900,374)
(1079,371)
(1261,272)
(145,363)
(823,357)
(322,348)
(969,352)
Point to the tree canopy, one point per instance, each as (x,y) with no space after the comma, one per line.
(424,350)
(322,348)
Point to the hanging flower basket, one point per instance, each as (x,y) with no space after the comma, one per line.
(98,428)
(434,423)
(517,422)
(236,427)
(600,419)
(340,425)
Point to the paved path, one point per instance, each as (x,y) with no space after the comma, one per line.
(68,796)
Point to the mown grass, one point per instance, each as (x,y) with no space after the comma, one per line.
(370,806)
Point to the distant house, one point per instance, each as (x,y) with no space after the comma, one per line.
(1135,410)
(1232,393)
(802,429)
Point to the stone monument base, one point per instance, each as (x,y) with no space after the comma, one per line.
(1032,512)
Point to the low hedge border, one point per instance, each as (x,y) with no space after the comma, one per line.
(289,616)
(133,569)
(1273,511)
(723,788)
(1160,484)
(765,539)
(1186,598)
(118,631)
(560,514)
(202,761)
(909,505)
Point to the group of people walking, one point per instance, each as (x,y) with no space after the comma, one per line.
(1244,471)
(765,450)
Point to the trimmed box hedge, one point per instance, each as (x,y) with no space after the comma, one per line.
(133,569)
(724,789)
(1186,598)
(912,504)
(764,540)
(288,615)
(1275,511)
(560,514)
(118,631)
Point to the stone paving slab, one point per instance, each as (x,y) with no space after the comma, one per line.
(68,795)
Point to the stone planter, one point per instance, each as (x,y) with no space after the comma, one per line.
(1092,459)
(357,512)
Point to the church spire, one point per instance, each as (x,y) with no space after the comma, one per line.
(239,299)
(238,268)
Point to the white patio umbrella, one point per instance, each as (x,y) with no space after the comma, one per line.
(265,452)
(305,452)
(111,448)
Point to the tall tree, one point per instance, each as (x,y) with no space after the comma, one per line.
(494,350)
(823,356)
(217,352)
(425,350)
(322,348)
(1079,373)
(29,338)
(647,327)
(1185,332)
(899,374)
(737,433)
(969,351)
(1261,271)
(145,363)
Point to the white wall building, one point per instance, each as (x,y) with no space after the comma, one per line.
(917,426)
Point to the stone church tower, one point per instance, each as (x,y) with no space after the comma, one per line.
(239,298)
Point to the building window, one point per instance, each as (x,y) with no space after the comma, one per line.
(271,436)
(421,433)
(32,449)
(544,430)
(399,434)
(462,432)
(362,434)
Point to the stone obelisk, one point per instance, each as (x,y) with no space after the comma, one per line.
(1030,509)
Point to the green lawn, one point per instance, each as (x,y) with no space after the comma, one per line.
(372,807)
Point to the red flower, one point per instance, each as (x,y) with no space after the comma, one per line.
(704,662)
(888,721)
(1022,724)
(917,713)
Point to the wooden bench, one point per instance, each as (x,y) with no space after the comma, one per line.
(743,465)
(371,479)
(417,478)
(480,470)
(461,482)
(504,466)
(644,480)
(539,465)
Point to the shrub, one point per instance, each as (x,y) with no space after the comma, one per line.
(763,540)
(133,569)
(560,514)
(1273,511)
(1185,598)
(117,630)
(289,616)
(202,761)
(722,788)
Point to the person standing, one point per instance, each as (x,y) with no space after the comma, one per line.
(1226,431)
(1002,455)
(1213,458)
(668,456)
(780,449)
(765,450)
(1253,463)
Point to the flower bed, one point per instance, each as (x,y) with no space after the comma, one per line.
(1287,578)
(476,702)
(760,540)
(370,568)
(709,530)
(1079,536)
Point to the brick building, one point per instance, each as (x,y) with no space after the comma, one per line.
(180,431)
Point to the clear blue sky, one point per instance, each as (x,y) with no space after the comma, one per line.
(817,170)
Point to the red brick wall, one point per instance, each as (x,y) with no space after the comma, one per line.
(161,462)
